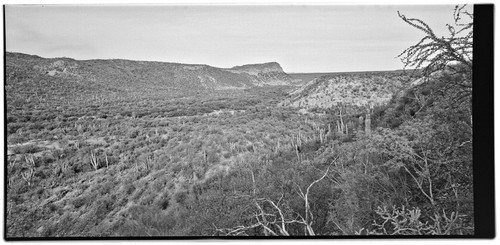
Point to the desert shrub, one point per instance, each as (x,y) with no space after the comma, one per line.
(26,149)
(146,221)
(102,206)
(128,188)
(133,133)
(106,188)
(163,202)
(79,201)
(411,221)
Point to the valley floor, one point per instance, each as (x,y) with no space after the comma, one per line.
(126,165)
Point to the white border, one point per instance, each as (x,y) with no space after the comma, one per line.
(282,2)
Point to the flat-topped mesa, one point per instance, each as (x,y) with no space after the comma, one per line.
(265,74)
(255,69)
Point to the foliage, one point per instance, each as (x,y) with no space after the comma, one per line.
(107,158)
(402,221)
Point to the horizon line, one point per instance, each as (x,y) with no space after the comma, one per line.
(179,63)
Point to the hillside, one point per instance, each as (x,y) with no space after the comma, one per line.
(37,86)
(146,75)
(299,79)
(107,156)
(118,149)
(94,147)
(359,89)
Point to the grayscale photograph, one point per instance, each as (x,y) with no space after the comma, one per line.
(238,120)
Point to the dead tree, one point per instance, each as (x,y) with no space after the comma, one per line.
(433,53)
(275,223)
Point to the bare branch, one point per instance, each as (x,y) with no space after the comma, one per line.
(433,53)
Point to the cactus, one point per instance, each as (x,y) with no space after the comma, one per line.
(342,126)
(148,162)
(205,156)
(30,161)
(368,124)
(28,176)
(297,143)
(360,123)
(107,162)
(321,135)
(93,160)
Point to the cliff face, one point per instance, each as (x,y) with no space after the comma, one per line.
(255,69)
(265,74)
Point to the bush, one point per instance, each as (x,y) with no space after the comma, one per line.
(26,149)
(146,221)
(402,221)
(79,201)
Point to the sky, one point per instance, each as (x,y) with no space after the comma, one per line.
(302,38)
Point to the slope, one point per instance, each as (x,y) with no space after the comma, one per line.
(147,76)
(356,90)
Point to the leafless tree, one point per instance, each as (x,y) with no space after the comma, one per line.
(275,222)
(433,53)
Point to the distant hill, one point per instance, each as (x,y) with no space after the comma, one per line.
(255,69)
(266,74)
(118,74)
(299,79)
(354,89)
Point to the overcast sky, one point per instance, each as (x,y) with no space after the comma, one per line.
(300,38)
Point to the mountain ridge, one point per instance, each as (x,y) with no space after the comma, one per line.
(153,74)
(237,67)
